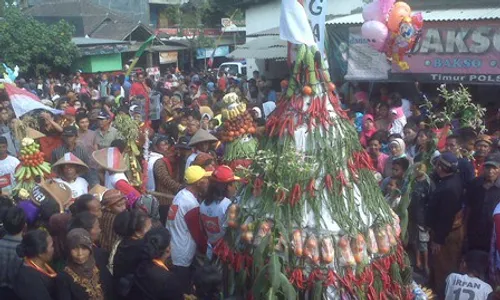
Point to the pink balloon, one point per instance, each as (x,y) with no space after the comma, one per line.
(376,33)
(373,12)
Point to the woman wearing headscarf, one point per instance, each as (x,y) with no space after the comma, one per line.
(152,278)
(397,150)
(368,129)
(35,279)
(82,277)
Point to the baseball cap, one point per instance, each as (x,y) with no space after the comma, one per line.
(493,160)
(224,174)
(183,143)
(194,174)
(103,115)
(70,111)
(70,131)
(448,159)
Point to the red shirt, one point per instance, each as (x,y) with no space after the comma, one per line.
(138,88)
(221,84)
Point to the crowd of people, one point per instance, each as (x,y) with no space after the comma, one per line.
(91,234)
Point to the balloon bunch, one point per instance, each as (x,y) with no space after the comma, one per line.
(391,28)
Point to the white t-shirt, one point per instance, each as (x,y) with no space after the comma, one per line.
(213,218)
(190,159)
(7,170)
(463,287)
(110,179)
(183,244)
(78,187)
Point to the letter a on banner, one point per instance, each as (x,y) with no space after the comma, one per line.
(316,12)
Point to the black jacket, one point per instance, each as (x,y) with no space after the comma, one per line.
(152,282)
(420,194)
(31,284)
(68,289)
(480,203)
(444,203)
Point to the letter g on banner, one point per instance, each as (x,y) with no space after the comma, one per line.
(316,12)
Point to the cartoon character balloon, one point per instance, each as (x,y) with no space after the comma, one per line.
(391,28)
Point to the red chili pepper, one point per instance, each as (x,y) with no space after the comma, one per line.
(281,196)
(330,279)
(353,170)
(300,118)
(257,186)
(298,193)
(297,279)
(329,182)
(314,276)
(311,187)
(282,129)
(291,126)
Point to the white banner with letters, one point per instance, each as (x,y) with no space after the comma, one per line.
(316,12)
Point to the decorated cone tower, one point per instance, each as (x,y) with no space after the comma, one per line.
(32,165)
(313,223)
(237,132)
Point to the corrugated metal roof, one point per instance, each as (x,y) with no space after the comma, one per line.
(271,31)
(436,15)
(265,47)
(84,41)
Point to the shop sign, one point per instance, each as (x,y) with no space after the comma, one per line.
(467,52)
(458,51)
(103,49)
(168,57)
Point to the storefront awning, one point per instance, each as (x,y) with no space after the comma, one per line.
(264,47)
(437,15)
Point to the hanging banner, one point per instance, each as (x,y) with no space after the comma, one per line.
(364,62)
(168,57)
(207,52)
(316,12)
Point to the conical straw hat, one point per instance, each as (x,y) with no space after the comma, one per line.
(202,136)
(33,133)
(70,159)
(57,191)
(98,191)
(110,159)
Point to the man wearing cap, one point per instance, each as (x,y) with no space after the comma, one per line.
(68,169)
(8,165)
(106,133)
(201,142)
(69,136)
(184,224)
(482,149)
(213,210)
(481,198)
(444,209)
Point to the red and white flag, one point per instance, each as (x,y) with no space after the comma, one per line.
(23,101)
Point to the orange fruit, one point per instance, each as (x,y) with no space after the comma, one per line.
(307,90)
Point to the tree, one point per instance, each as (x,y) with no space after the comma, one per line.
(190,16)
(37,48)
